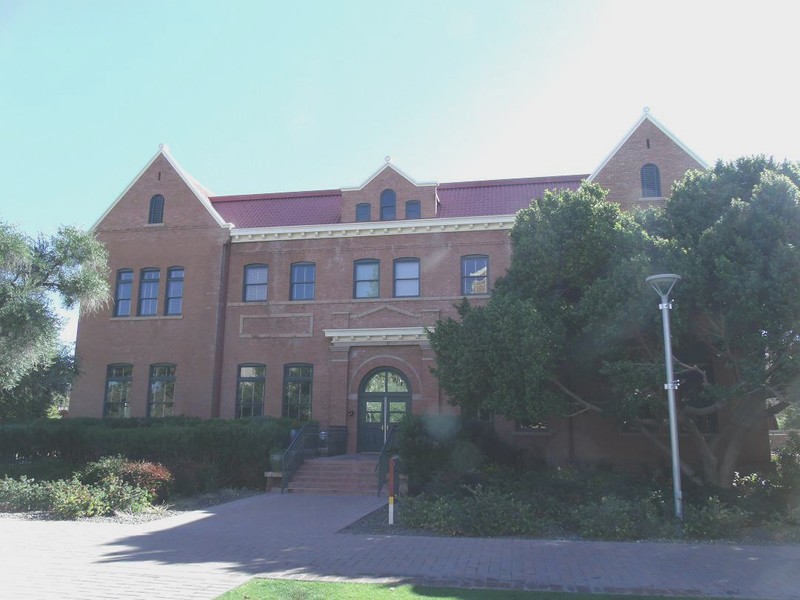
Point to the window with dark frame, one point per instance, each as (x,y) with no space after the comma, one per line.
(255,283)
(156,209)
(651,181)
(367,278)
(173,304)
(161,395)
(388,205)
(123,292)
(297,387)
(474,275)
(363,212)
(406,277)
(413,209)
(303,281)
(117,401)
(250,385)
(148,292)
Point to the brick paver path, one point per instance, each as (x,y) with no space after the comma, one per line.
(205,553)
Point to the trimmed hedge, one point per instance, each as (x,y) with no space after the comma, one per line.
(201,454)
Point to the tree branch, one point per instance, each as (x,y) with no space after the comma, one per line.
(575,397)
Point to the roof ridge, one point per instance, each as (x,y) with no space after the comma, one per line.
(512,181)
(276,195)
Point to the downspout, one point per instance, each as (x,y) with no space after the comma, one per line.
(219,343)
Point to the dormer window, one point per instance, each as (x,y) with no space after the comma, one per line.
(413,209)
(156,209)
(651,181)
(363,212)
(388,205)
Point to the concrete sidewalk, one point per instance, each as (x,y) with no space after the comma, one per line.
(205,553)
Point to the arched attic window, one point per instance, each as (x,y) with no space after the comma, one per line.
(156,209)
(651,181)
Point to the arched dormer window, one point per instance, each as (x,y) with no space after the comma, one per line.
(156,209)
(388,205)
(651,181)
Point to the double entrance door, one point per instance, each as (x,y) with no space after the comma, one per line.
(383,400)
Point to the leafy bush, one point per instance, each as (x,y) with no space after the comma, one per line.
(713,519)
(71,498)
(615,518)
(232,452)
(480,512)
(22,495)
(154,478)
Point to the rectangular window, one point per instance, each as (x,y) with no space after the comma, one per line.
(367,279)
(174,300)
(148,292)
(250,385)
(161,397)
(255,283)
(474,275)
(303,279)
(122,296)
(363,212)
(413,209)
(118,391)
(406,277)
(297,380)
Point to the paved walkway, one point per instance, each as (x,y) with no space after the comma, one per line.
(205,553)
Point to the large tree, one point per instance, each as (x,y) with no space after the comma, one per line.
(572,327)
(35,274)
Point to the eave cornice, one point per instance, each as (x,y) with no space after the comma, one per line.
(372,229)
(380,336)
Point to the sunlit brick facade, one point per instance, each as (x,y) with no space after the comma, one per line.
(315,304)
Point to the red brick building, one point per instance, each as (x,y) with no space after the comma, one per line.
(315,304)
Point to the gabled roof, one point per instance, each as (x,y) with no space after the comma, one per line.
(646,116)
(498,196)
(381,169)
(199,191)
(324,207)
(321,207)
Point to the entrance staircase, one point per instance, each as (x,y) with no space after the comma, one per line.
(347,474)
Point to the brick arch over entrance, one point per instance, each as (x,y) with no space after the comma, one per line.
(384,361)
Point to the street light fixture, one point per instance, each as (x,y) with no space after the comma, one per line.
(663,284)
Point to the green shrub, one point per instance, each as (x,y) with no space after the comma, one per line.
(615,518)
(154,478)
(22,495)
(480,512)
(713,519)
(235,451)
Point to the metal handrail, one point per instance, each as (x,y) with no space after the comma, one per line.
(306,441)
(382,468)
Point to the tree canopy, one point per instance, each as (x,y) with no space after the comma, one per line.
(572,327)
(70,267)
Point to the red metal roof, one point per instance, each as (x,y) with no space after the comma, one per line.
(499,196)
(324,207)
(280,210)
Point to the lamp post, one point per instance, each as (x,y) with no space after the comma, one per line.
(663,284)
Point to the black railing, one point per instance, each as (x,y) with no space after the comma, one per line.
(304,445)
(333,441)
(382,468)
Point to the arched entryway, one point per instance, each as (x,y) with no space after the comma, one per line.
(384,398)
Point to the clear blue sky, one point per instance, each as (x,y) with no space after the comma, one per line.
(273,96)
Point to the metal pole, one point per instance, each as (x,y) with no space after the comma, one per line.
(671,386)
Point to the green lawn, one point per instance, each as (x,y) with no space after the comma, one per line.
(284,589)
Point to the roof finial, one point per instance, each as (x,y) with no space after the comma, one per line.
(646,109)
(387,158)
